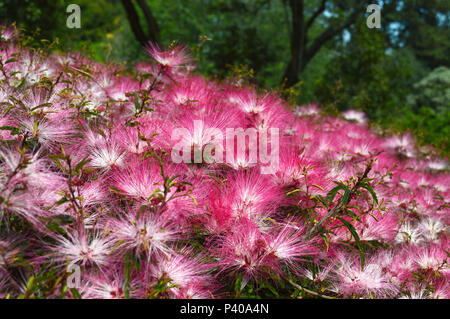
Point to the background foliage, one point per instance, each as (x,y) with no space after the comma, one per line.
(398,74)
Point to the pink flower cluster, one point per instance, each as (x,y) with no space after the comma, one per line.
(87,180)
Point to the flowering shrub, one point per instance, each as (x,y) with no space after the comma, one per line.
(92,204)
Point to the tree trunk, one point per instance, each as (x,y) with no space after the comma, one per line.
(294,66)
(136,27)
(152,25)
(301,51)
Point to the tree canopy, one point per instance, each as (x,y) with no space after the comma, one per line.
(320,50)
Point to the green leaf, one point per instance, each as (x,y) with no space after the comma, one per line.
(61,201)
(41,106)
(56,159)
(30,283)
(321,199)
(327,243)
(194,200)
(271,288)
(9,108)
(10,61)
(54,227)
(237,283)
(371,191)
(293,192)
(136,102)
(35,128)
(318,186)
(63,219)
(345,197)
(332,193)
(116,190)
(357,240)
(14,130)
(83,162)
(75,293)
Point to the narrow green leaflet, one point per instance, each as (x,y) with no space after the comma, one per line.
(371,191)
(356,236)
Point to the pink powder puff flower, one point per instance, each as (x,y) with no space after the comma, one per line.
(107,285)
(39,99)
(409,232)
(128,137)
(244,251)
(10,248)
(441,290)
(274,117)
(173,58)
(323,145)
(296,169)
(252,193)
(194,92)
(241,218)
(431,228)
(182,210)
(140,179)
(92,138)
(7,32)
(321,275)
(416,292)
(23,190)
(441,183)
(426,200)
(182,269)
(50,132)
(106,156)
(370,282)
(377,226)
(148,233)
(241,159)
(437,165)
(245,195)
(289,244)
(120,87)
(403,145)
(195,290)
(5,134)
(356,116)
(402,267)
(36,173)
(5,284)
(87,249)
(22,204)
(307,110)
(193,134)
(431,257)
(93,193)
(249,102)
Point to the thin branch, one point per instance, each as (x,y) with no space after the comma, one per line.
(315,15)
(152,25)
(328,34)
(337,208)
(133,19)
(286,16)
(309,291)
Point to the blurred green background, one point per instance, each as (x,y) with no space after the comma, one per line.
(311,51)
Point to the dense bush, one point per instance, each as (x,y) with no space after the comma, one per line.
(88,179)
